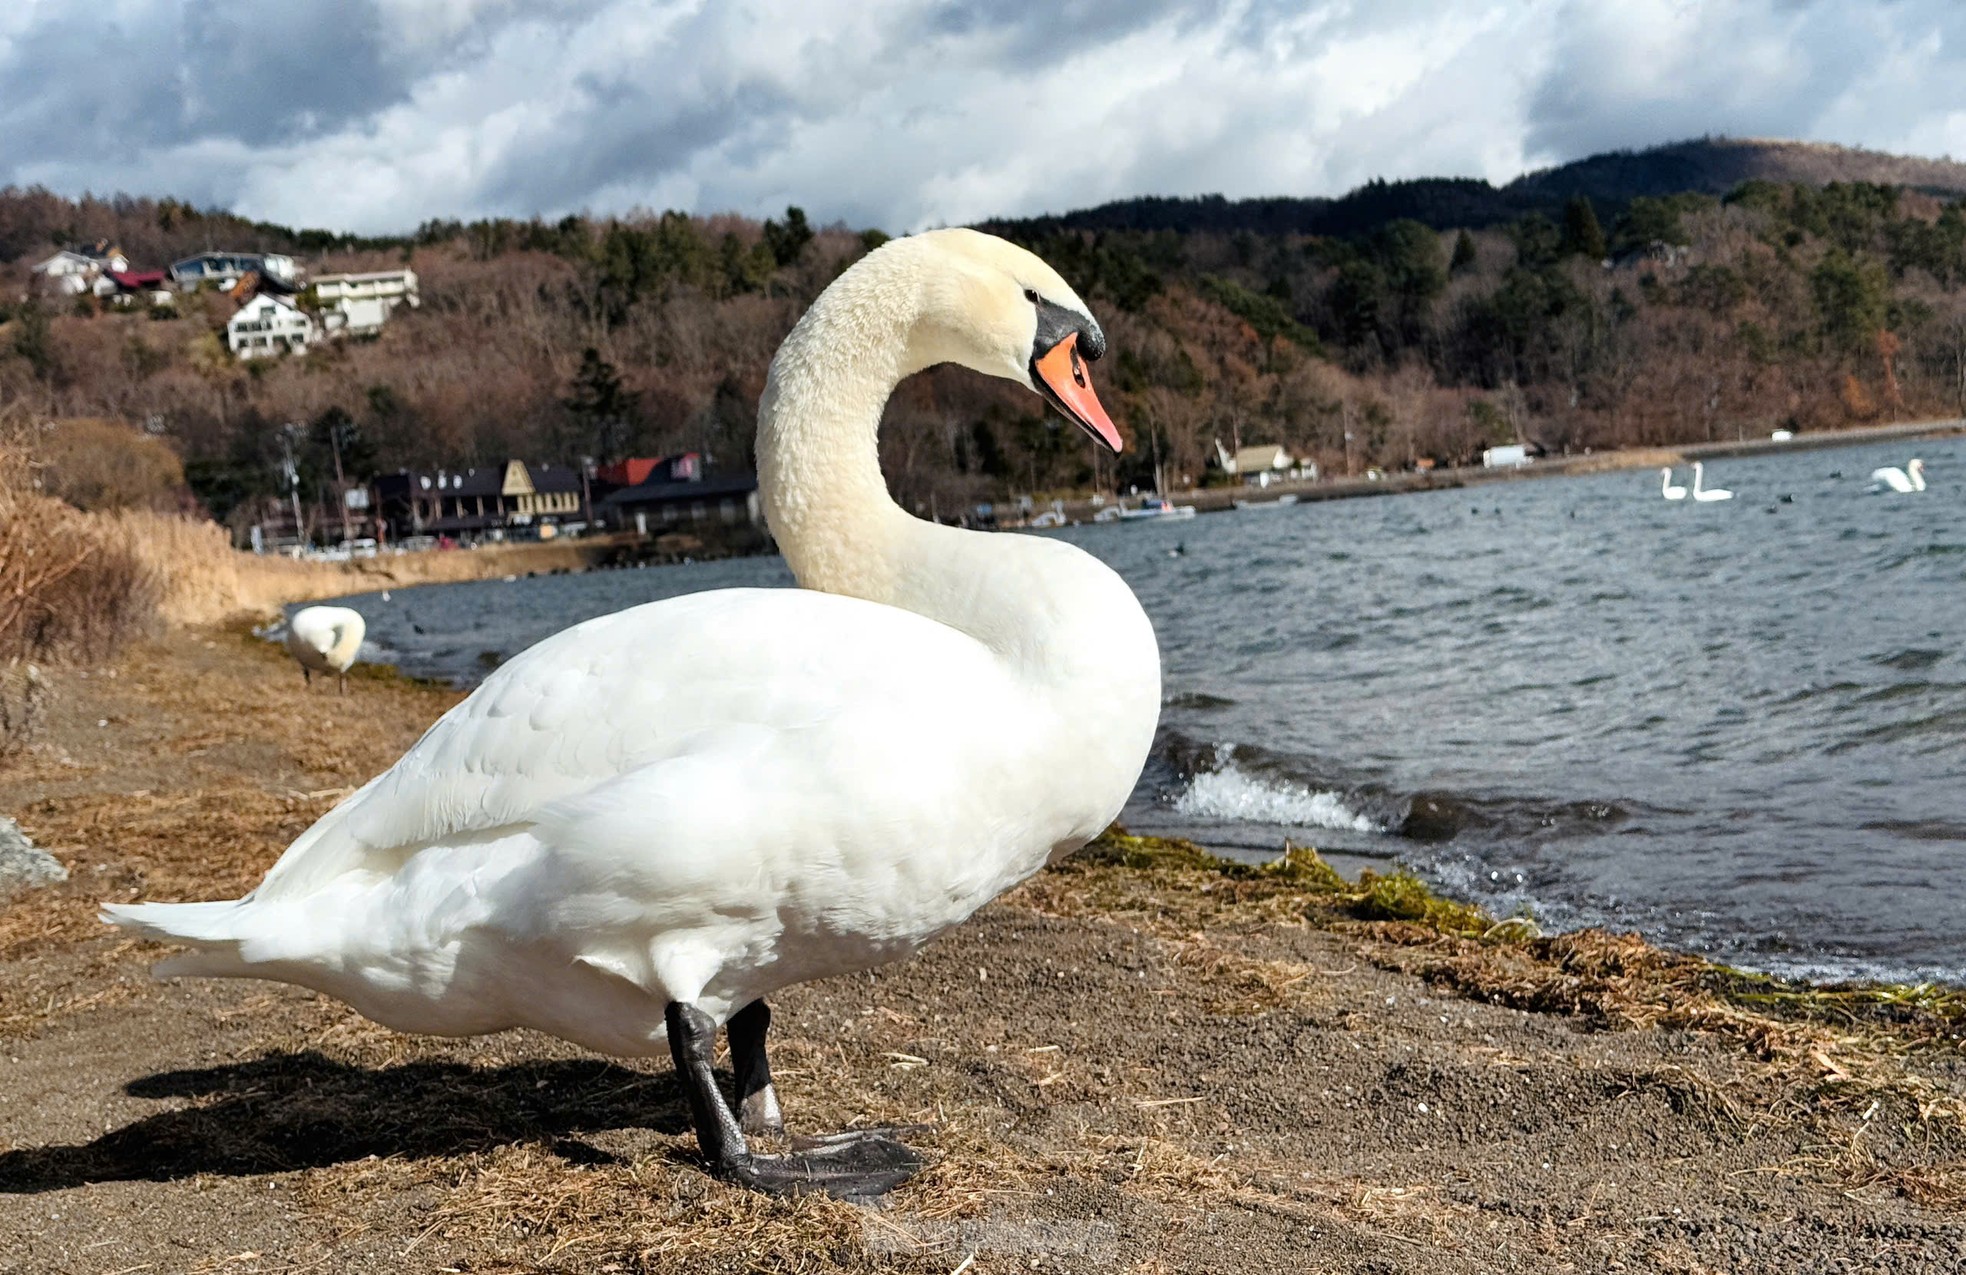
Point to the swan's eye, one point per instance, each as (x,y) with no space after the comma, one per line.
(1031,295)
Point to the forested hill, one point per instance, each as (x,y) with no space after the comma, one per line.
(1704,291)
(1708,166)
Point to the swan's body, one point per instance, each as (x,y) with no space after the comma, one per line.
(325,640)
(1668,488)
(1706,494)
(1909,479)
(646,823)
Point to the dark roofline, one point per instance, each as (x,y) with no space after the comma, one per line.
(704,489)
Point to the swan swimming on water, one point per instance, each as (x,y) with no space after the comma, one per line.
(1705,494)
(635,831)
(1909,479)
(1668,489)
(325,640)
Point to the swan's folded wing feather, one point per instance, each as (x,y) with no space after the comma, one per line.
(617,693)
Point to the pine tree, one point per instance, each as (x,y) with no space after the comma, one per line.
(600,402)
(1464,253)
(789,240)
(1581,233)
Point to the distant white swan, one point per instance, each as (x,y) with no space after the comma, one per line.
(1910,478)
(1666,487)
(325,640)
(1705,494)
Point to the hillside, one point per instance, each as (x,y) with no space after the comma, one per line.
(1707,166)
(1641,300)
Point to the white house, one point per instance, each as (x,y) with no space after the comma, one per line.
(1261,464)
(75,270)
(359,304)
(393,286)
(269,325)
(224,269)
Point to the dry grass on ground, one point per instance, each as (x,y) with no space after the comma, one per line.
(1143,1060)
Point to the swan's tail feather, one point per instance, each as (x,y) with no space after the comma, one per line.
(214,929)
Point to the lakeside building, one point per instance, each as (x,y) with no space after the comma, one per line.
(269,325)
(73,271)
(224,270)
(1261,464)
(490,502)
(675,491)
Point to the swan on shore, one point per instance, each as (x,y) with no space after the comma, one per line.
(1668,488)
(1705,494)
(325,640)
(1909,479)
(638,829)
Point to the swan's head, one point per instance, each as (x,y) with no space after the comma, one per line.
(999,310)
(1916,466)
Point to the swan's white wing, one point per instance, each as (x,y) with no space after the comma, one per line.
(623,691)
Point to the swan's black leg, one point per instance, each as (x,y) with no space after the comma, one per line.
(858,1165)
(306,676)
(692,1046)
(341,683)
(757,1102)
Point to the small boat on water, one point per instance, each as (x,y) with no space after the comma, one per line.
(1278,503)
(1157,508)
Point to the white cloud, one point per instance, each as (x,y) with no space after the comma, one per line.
(378,114)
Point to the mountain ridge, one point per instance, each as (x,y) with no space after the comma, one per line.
(1610,179)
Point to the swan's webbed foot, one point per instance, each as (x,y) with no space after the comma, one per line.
(856,1165)
(860,1164)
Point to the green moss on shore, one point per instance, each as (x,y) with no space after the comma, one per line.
(1615,978)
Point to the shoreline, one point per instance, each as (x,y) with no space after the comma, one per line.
(267,583)
(1143,1052)
(1222,499)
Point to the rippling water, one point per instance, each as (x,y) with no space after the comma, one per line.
(1737,727)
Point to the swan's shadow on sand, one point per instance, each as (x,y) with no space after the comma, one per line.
(302,1110)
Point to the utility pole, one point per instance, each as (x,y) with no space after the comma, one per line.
(340,483)
(288,433)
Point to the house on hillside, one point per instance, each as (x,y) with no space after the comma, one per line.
(268,325)
(73,271)
(490,502)
(223,270)
(359,304)
(127,287)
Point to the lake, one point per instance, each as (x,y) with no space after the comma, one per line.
(1738,727)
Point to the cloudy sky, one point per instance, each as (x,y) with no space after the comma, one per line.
(374,115)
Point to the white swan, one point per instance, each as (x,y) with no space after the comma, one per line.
(1910,478)
(642,826)
(1667,487)
(1704,494)
(325,640)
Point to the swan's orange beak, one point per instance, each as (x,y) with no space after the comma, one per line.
(1061,377)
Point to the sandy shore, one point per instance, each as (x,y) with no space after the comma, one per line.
(1140,1061)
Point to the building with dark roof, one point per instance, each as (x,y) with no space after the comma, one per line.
(663,501)
(488,502)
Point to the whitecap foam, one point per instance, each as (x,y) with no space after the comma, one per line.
(1233,794)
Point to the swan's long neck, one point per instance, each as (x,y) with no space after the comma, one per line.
(819,464)
(1050,608)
